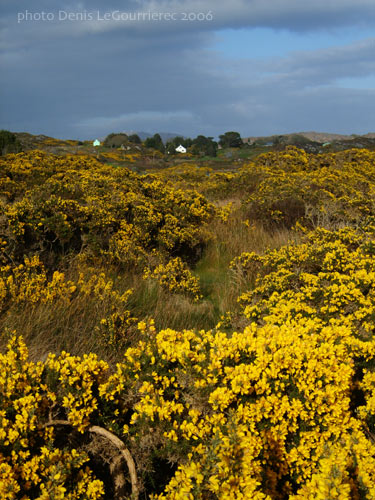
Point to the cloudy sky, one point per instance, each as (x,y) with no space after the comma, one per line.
(84,69)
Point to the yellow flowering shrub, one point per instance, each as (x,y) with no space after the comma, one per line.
(76,204)
(328,277)
(175,277)
(262,413)
(32,465)
(322,190)
(282,407)
(29,282)
(253,412)
(265,412)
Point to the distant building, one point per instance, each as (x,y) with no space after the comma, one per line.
(181,149)
(96,143)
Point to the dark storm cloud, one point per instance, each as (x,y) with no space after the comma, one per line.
(87,78)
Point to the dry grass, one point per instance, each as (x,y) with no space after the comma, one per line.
(56,327)
(237,235)
(72,327)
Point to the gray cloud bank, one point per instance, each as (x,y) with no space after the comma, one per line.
(90,77)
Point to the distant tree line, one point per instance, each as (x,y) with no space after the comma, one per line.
(200,146)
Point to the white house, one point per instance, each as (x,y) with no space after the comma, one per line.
(181,149)
(96,142)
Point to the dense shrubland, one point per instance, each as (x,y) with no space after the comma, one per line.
(188,333)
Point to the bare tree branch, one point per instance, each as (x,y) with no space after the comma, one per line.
(125,453)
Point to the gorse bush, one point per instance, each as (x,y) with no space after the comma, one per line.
(175,277)
(73,204)
(263,413)
(330,277)
(277,401)
(323,190)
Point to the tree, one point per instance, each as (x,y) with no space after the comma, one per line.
(230,140)
(155,142)
(115,140)
(205,146)
(9,143)
(135,139)
(170,148)
(172,144)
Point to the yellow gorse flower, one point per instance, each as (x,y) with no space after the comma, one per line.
(281,407)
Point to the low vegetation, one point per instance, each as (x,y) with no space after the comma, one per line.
(188,332)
